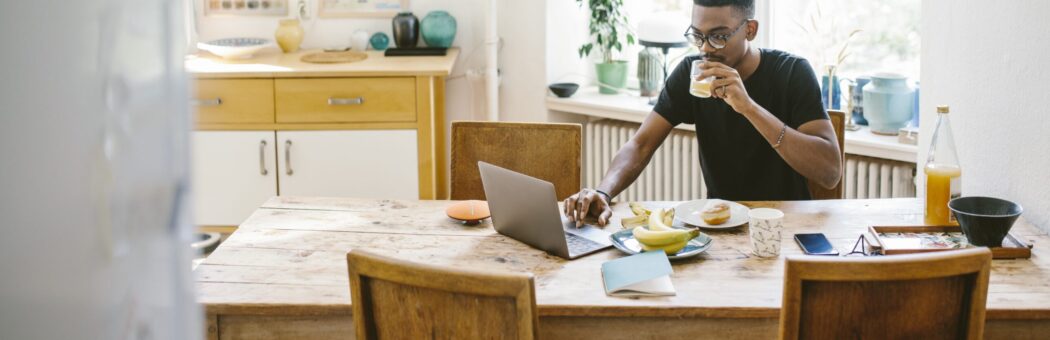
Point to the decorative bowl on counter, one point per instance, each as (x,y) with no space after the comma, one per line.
(985,220)
(563,90)
(234,48)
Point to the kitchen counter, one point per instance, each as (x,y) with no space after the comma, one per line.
(271,63)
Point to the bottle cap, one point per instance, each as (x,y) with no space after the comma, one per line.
(942,109)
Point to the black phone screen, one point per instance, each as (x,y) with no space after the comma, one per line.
(815,244)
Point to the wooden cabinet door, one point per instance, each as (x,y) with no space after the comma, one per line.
(234,172)
(357,163)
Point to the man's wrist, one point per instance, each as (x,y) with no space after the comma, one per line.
(603,194)
(753,109)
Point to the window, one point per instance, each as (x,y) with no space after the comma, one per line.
(817,30)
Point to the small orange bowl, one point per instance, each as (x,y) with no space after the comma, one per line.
(469,212)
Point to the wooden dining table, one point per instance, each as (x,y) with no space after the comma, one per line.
(283,273)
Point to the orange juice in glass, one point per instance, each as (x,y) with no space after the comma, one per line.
(702,87)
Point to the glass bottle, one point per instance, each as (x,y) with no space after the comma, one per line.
(943,173)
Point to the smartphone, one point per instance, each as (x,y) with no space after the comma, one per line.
(815,244)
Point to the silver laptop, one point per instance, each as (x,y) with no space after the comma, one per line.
(526,209)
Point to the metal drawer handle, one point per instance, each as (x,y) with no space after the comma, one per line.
(288,157)
(207,102)
(262,158)
(346,101)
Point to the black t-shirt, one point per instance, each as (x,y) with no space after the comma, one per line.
(738,164)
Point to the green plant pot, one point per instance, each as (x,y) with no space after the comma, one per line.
(612,77)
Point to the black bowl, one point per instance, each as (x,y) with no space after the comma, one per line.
(564,90)
(985,220)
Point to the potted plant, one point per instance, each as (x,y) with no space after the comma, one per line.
(606,25)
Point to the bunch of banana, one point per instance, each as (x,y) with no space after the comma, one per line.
(641,216)
(660,236)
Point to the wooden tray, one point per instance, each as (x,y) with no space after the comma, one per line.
(333,57)
(920,239)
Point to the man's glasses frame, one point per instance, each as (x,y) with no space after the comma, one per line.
(718,41)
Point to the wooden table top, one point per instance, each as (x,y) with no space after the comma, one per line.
(289,258)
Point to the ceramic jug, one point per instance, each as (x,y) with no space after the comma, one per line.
(289,35)
(888,103)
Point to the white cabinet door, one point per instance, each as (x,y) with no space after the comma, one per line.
(234,172)
(360,163)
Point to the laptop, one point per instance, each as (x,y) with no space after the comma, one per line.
(526,209)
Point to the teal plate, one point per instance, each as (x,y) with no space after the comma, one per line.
(624,241)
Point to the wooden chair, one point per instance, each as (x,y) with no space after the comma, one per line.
(548,151)
(921,296)
(816,192)
(394,299)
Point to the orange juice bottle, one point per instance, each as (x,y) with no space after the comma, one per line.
(943,173)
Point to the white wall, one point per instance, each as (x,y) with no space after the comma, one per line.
(986,60)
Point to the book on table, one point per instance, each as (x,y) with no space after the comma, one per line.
(644,274)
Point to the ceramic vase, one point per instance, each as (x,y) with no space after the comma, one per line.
(650,72)
(379,41)
(406,30)
(888,103)
(858,100)
(836,92)
(359,40)
(439,29)
(289,35)
(612,76)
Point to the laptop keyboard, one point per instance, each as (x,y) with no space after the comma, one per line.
(580,245)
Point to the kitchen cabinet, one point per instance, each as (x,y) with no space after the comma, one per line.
(233,172)
(364,164)
(368,129)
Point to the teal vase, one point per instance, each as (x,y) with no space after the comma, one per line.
(438,29)
(379,41)
(888,103)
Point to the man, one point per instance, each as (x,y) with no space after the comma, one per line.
(762,134)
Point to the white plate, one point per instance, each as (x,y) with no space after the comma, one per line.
(689,212)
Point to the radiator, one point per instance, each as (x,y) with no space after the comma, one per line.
(674,173)
(868,177)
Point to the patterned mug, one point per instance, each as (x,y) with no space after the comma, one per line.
(764,229)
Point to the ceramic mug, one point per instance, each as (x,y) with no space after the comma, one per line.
(764,230)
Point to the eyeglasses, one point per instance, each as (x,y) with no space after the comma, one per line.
(861,248)
(718,41)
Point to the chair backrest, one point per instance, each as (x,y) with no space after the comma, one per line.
(838,122)
(548,151)
(920,296)
(395,299)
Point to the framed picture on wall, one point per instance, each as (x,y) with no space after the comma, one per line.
(246,7)
(361,8)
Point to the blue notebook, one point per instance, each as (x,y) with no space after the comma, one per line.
(645,274)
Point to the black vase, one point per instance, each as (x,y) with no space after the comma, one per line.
(406,30)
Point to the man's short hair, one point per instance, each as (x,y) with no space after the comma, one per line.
(746,7)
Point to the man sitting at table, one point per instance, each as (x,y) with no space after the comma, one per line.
(763,133)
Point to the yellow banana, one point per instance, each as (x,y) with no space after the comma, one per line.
(669,217)
(670,249)
(657,221)
(638,209)
(663,237)
(634,221)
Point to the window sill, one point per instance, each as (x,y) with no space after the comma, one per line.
(633,108)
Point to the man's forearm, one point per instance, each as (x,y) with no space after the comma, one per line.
(625,168)
(814,157)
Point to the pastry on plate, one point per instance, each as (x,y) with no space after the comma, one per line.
(716,214)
